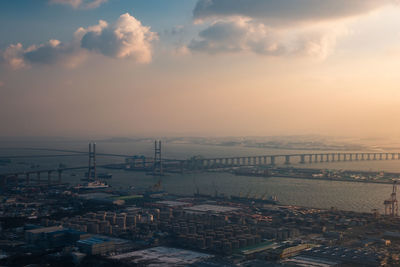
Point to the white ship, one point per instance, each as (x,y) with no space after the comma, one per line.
(92,185)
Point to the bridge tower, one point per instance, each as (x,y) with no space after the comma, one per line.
(157,165)
(391,207)
(92,173)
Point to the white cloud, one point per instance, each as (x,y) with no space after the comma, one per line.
(52,52)
(246,35)
(237,35)
(13,56)
(127,38)
(276,28)
(85,4)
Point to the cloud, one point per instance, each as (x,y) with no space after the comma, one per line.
(286,11)
(235,36)
(13,56)
(52,52)
(276,28)
(85,4)
(127,38)
(246,35)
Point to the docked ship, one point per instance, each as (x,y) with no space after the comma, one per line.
(270,200)
(252,172)
(92,185)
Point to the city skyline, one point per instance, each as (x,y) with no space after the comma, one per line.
(124,68)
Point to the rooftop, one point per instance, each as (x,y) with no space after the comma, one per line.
(171,203)
(94,240)
(212,208)
(163,256)
(45,230)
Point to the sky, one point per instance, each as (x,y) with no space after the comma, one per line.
(100,68)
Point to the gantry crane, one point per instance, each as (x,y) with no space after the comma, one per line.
(391,206)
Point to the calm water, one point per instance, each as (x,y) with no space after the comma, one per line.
(320,194)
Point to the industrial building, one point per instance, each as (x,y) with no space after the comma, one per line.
(55,236)
(162,256)
(96,245)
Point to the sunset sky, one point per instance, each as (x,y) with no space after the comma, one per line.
(199,67)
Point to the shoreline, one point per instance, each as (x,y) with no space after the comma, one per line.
(329,179)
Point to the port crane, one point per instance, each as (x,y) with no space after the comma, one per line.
(391,205)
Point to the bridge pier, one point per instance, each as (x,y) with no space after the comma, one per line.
(272,158)
(310,158)
(316,158)
(203,163)
(374,158)
(386,156)
(49,177)
(338,157)
(27,178)
(333,157)
(59,176)
(380,156)
(38,177)
(287,160)
(302,159)
(327,157)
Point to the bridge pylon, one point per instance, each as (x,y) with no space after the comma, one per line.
(92,172)
(157,165)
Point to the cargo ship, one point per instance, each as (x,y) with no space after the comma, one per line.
(92,185)
(252,172)
(271,200)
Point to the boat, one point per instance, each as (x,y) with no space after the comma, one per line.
(155,191)
(252,172)
(270,200)
(92,185)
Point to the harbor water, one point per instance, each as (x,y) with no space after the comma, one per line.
(361,197)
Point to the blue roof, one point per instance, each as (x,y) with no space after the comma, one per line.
(93,241)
